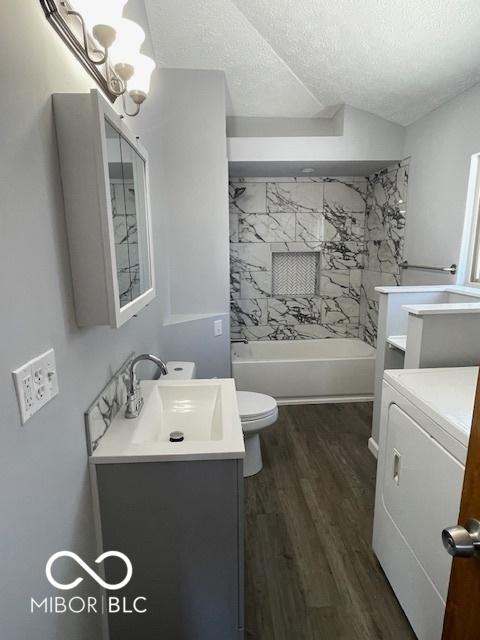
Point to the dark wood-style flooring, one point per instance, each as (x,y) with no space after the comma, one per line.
(310,570)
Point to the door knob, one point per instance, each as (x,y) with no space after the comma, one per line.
(463,542)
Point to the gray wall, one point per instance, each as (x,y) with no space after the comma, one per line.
(44,489)
(184,121)
(440,145)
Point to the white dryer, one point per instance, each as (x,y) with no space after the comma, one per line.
(424,431)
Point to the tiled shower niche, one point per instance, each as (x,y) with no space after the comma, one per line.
(295,273)
(348,224)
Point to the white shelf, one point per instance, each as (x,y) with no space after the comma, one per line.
(399,342)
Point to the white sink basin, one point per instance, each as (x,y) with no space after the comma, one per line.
(205,411)
(196,411)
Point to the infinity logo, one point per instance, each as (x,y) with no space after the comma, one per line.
(86,568)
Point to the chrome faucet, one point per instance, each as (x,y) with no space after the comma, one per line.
(134,395)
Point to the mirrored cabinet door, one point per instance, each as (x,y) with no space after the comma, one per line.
(105,174)
(126,171)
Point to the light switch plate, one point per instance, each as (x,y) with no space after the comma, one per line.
(36,383)
(218,328)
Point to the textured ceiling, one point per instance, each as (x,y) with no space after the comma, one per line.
(301,58)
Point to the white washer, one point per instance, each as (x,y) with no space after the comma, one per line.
(424,431)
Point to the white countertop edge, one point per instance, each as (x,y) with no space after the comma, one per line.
(412,289)
(473,292)
(399,342)
(186,457)
(442,308)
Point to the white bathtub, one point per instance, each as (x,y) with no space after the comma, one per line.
(306,371)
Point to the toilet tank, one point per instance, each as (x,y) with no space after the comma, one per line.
(180,371)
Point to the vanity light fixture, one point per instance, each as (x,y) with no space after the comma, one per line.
(107,45)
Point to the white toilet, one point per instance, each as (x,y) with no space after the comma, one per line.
(257,412)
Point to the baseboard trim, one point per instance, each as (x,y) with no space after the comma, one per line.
(373,447)
(323,400)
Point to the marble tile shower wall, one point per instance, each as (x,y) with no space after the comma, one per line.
(321,215)
(384,241)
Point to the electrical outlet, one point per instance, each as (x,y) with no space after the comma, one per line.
(51,372)
(39,384)
(36,383)
(217,328)
(23,379)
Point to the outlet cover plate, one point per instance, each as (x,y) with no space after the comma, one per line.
(218,328)
(36,384)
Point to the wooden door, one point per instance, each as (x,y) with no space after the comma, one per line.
(462,615)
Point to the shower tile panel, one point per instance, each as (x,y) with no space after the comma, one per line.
(233,226)
(337,226)
(309,226)
(384,236)
(340,310)
(247,197)
(293,311)
(257,284)
(250,257)
(263,227)
(381,257)
(340,196)
(296,332)
(343,255)
(295,197)
(335,283)
(357,226)
(301,247)
(249,312)
(355,283)
(235,279)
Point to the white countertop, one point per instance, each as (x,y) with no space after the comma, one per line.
(399,342)
(448,288)
(442,308)
(446,395)
(146,438)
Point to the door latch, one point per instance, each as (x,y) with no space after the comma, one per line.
(463,542)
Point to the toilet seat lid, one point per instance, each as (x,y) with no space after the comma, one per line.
(254,405)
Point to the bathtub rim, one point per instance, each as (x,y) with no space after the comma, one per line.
(251,359)
(298,360)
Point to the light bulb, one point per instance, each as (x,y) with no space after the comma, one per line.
(95,12)
(130,37)
(101,18)
(139,83)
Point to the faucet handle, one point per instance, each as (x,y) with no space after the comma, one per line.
(134,402)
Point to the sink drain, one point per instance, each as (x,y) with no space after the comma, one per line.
(176,436)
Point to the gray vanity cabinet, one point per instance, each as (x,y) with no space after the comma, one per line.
(181,525)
